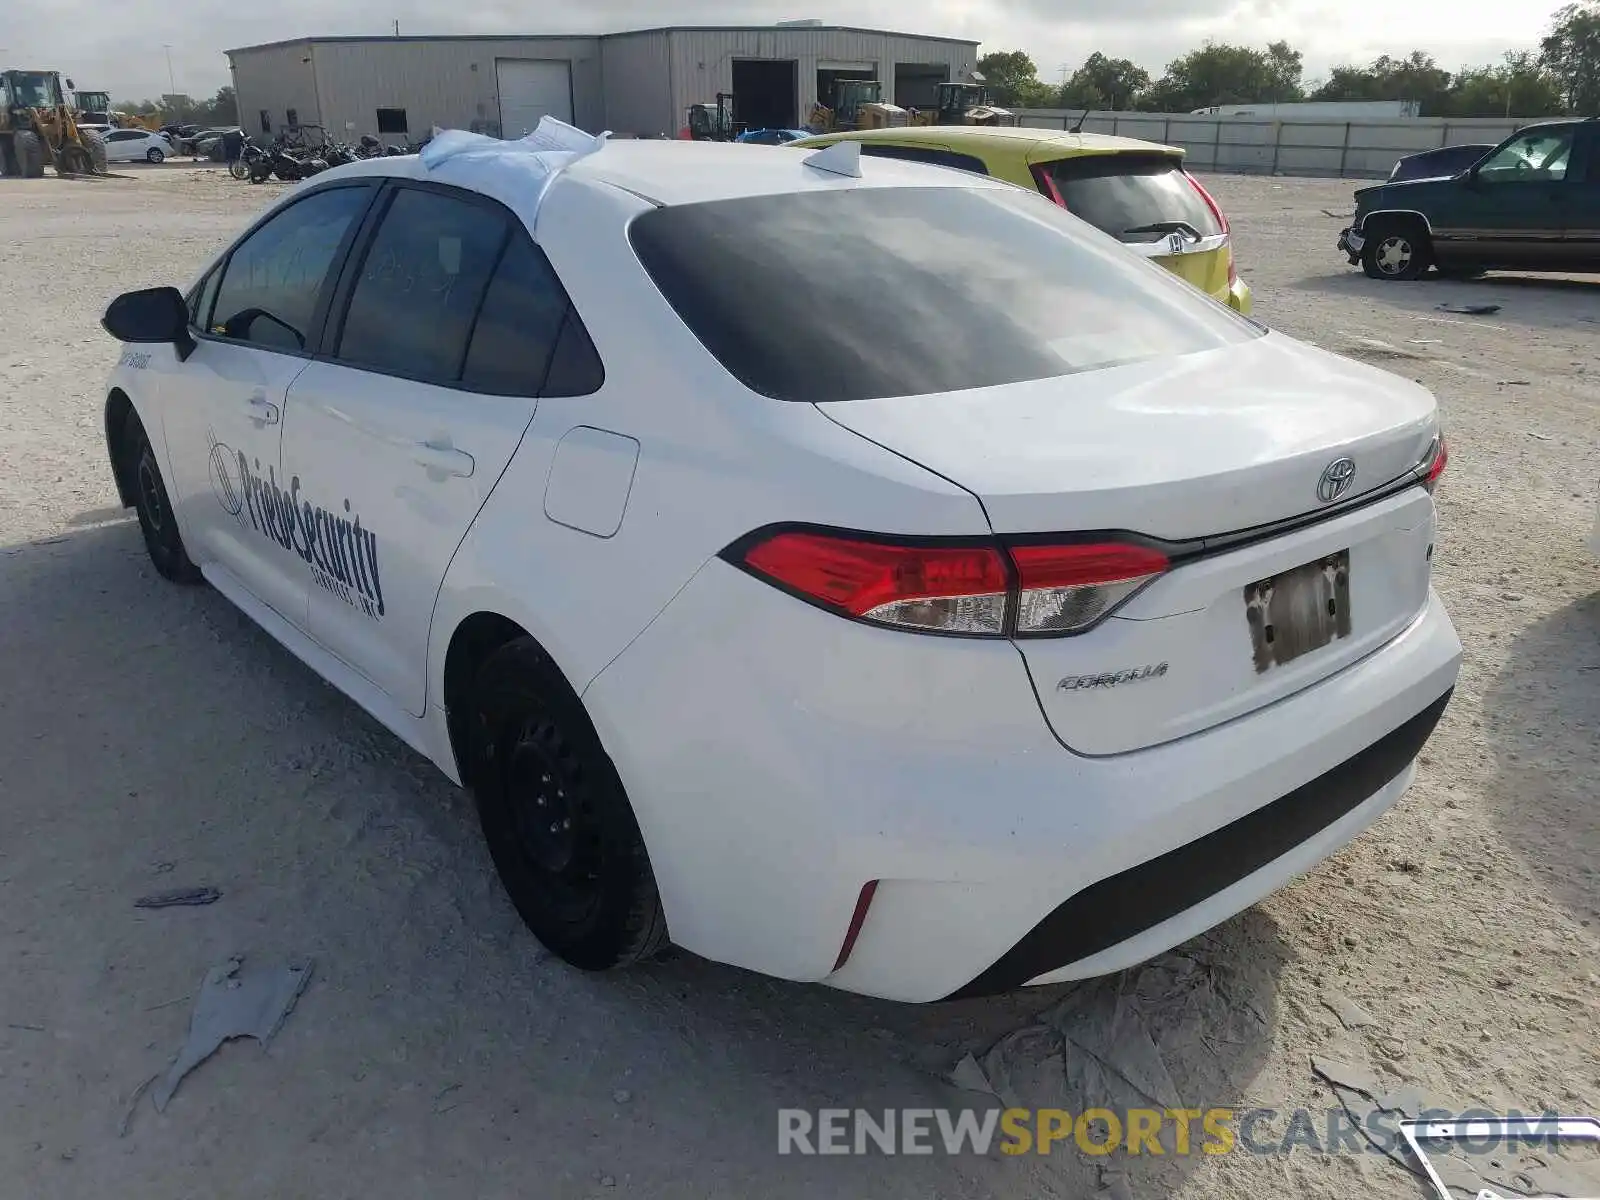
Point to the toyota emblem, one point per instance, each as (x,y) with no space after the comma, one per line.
(1336,479)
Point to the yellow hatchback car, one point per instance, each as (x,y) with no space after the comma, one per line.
(1136,191)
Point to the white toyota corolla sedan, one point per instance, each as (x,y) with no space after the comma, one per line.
(852,570)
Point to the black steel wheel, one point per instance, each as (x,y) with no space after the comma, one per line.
(559,827)
(157,522)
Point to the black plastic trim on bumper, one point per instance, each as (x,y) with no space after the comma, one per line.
(1116,909)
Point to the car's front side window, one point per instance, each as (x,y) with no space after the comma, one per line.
(274,278)
(421,285)
(1536,156)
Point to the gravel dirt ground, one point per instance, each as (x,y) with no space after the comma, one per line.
(151,737)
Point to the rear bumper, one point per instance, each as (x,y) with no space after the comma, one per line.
(1352,243)
(1239,297)
(779,759)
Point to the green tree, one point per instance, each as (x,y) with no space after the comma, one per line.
(1013,80)
(1571,52)
(1219,73)
(1415,77)
(1519,87)
(1103,83)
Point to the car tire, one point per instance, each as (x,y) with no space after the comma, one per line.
(157,521)
(154,155)
(556,818)
(1396,250)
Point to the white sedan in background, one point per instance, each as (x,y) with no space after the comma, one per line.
(136,145)
(1011,644)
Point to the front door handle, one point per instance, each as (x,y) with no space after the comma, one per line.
(441,459)
(262,411)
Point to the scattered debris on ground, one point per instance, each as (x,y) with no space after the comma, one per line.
(192,897)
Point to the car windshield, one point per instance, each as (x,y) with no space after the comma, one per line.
(1133,197)
(1538,154)
(35,89)
(866,292)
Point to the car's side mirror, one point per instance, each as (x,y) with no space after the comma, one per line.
(151,315)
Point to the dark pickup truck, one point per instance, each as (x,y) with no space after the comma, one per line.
(1531,204)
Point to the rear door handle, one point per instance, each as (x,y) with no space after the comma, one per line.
(262,411)
(441,459)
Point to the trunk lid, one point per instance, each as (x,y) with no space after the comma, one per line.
(1185,450)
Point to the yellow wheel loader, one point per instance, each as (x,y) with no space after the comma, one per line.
(858,104)
(963,104)
(38,127)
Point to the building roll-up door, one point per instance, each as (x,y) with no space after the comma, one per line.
(531,88)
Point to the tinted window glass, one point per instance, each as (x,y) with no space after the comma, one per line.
(1539,155)
(925,154)
(518,325)
(202,298)
(421,284)
(861,292)
(1133,197)
(273,278)
(575,368)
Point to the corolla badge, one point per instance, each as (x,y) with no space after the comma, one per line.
(1111,679)
(1336,479)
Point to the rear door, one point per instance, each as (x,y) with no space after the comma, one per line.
(1149,204)
(451,317)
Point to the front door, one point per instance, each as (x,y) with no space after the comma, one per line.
(398,436)
(1510,210)
(1581,233)
(255,319)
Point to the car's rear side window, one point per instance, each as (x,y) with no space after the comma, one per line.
(421,285)
(864,292)
(1133,197)
(935,156)
(518,326)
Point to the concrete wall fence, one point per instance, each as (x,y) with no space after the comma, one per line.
(1364,149)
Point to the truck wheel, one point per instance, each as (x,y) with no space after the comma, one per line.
(1396,250)
(8,160)
(30,154)
(96,145)
(156,519)
(560,830)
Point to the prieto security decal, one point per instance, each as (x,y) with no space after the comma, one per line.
(342,555)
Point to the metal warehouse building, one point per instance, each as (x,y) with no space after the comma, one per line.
(637,83)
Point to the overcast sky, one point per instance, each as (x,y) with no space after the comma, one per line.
(118,47)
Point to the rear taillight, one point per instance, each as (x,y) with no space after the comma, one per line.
(1433,464)
(962,587)
(1066,589)
(1222,223)
(942,589)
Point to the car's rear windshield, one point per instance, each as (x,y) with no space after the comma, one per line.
(865,292)
(1133,197)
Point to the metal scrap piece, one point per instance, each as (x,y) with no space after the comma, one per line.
(233,1003)
(1547,1129)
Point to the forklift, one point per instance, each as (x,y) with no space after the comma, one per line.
(713,122)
